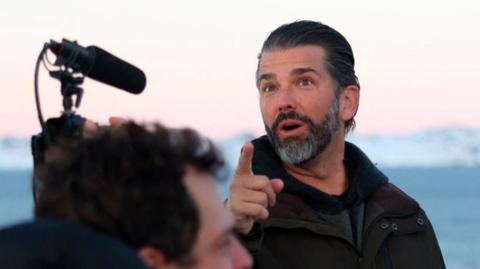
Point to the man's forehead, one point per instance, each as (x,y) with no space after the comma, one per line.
(204,190)
(197,181)
(298,51)
(216,220)
(309,56)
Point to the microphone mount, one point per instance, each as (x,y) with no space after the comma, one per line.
(72,65)
(69,88)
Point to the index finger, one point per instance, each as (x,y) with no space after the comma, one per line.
(245,160)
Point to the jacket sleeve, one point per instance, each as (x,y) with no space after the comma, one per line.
(253,240)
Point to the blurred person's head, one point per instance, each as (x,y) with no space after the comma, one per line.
(153,187)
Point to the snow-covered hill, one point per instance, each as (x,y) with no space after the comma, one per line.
(15,154)
(435,147)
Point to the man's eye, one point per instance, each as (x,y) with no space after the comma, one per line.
(268,88)
(305,82)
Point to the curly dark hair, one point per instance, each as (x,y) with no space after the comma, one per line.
(127,181)
(340,60)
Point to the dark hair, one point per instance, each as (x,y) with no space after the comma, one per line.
(339,55)
(127,181)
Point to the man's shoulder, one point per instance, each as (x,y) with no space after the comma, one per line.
(393,200)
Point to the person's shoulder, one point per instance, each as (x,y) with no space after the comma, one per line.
(63,243)
(30,244)
(43,229)
(394,200)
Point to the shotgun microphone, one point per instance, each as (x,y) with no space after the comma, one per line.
(99,65)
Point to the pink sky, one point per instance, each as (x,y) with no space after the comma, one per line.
(418,63)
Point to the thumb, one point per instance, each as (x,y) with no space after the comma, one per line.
(277,185)
(245,160)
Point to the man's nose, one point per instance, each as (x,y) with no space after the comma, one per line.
(286,99)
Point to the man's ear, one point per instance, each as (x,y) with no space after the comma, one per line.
(152,257)
(349,101)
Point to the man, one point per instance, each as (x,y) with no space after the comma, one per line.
(302,196)
(152,187)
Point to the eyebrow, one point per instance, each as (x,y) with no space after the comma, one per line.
(267,76)
(296,72)
(303,70)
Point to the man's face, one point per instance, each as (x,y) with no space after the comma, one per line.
(297,101)
(216,246)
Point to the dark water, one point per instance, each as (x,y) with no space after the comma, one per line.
(450,196)
(15,196)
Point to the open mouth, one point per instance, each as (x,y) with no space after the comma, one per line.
(290,127)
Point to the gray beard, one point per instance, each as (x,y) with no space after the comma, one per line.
(296,150)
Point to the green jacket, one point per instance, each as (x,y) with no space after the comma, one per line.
(387,229)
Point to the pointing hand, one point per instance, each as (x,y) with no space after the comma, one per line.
(251,195)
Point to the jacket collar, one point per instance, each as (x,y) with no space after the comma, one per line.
(364,178)
(389,201)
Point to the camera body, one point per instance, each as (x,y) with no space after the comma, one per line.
(64,127)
